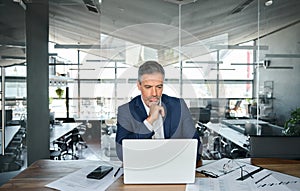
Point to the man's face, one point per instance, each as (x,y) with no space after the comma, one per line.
(151,87)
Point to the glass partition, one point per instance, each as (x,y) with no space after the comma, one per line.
(208,58)
(205,71)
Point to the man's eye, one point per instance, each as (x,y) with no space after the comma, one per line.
(159,87)
(147,87)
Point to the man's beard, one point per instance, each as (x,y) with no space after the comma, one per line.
(157,99)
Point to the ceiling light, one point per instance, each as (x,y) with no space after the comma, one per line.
(12,58)
(82,69)
(246,64)
(282,55)
(181,2)
(268,3)
(204,62)
(241,7)
(22,4)
(243,47)
(91,6)
(229,69)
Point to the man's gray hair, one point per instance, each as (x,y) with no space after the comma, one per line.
(150,67)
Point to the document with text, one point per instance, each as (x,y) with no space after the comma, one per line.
(239,175)
(77,181)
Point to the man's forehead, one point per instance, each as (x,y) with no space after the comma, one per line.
(155,77)
(152,82)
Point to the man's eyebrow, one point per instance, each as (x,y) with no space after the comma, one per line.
(149,86)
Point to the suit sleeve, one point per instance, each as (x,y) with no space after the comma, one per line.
(188,127)
(129,128)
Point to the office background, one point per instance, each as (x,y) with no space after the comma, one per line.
(99,77)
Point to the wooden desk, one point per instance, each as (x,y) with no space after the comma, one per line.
(42,172)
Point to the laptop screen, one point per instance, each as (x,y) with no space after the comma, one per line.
(159,161)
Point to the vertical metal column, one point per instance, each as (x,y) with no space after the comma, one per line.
(3,110)
(180,80)
(116,84)
(37,38)
(218,74)
(67,102)
(179,50)
(257,68)
(78,82)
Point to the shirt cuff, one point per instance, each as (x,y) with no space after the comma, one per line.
(148,125)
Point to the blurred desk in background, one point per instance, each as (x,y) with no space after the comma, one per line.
(10,132)
(58,131)
(229,134)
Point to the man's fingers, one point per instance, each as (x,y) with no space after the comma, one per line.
(162,111)
(156,109)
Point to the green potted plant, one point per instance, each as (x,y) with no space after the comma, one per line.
(292,125)
(50,100)
(59,92)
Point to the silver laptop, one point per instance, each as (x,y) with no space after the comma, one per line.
(159,161)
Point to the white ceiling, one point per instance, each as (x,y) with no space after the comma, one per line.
(153,23)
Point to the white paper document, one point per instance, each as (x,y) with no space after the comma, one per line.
(274,181)
(77,180)
(243,177)
(216,184)
(226,166)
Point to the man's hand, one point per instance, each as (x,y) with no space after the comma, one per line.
(155,111)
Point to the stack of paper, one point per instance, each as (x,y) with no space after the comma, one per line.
(242,176)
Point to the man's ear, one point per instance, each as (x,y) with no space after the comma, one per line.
(139,85)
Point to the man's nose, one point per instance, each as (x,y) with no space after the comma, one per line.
(153,91)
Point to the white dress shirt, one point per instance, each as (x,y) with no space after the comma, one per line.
(158,125)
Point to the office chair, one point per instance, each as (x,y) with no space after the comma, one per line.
(55,154)
(76,140)
(81,131)
(16,147)
(64,146)
(205,114)
(204,117)
(67,147)
(108,133)
(8,163)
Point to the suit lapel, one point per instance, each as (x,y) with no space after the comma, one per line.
(167,118)
(140,109)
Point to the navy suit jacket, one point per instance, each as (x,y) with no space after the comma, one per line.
(178,122)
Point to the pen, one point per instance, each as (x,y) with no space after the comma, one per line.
(117,172)
(249,174)
(240,167)
(263,178)
(209,174)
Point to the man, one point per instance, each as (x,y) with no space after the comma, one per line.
(153,115)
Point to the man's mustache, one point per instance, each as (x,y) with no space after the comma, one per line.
(152,97)
(156,97)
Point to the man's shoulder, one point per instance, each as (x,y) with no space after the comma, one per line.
(170,98)
(132,101)
(173,102)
